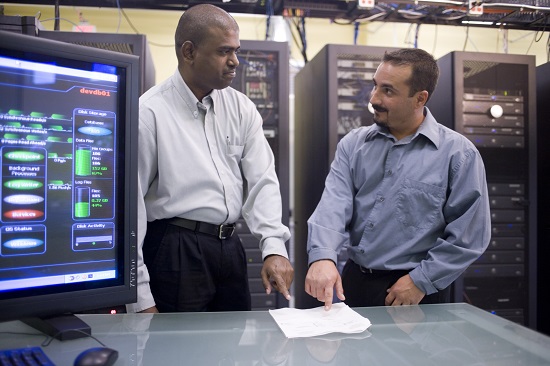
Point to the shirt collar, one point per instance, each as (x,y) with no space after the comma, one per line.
(190,98)
(428,128)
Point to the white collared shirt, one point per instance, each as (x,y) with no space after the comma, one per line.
(207,161)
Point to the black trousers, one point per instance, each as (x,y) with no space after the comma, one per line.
(369,289)
(191,271)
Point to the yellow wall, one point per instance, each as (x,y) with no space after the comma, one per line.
(159,27)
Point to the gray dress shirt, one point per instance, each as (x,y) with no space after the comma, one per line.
(207,161)
(419,204)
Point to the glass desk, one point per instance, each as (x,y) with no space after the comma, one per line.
(445,334)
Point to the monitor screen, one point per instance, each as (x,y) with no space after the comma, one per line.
(68,143)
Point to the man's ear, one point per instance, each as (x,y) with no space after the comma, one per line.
(187,51)
(422,98)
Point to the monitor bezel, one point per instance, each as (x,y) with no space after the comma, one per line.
(82,300)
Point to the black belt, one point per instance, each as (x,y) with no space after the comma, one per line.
(370,270)
(222,231)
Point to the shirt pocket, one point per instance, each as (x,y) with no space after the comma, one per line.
(419,205)
(235,152)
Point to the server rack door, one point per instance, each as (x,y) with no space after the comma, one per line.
(543,165)
(263,75)
(332,93)
(490,99)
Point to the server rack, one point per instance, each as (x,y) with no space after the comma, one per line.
(28,25)
(543,160)
(132,44)
(491,99)
(263,75)
(332,93)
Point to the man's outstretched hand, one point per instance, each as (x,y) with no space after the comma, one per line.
(277,272)
(322,280)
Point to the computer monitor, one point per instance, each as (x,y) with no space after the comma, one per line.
(68,185)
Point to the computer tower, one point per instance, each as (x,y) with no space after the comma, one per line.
(491,99)
(263,75)
(133,44)
(332,93)
(543,160)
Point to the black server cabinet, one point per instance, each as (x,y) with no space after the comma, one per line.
(28,25)
(132,44)
(543,160)
(491,99)
(332,93)
(263,75)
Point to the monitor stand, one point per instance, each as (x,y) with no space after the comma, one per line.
(63,327)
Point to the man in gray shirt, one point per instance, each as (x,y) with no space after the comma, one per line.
(407,195)
(203,162)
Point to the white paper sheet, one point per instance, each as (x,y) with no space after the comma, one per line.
(298,323)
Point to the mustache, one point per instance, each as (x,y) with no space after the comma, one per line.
(378,108)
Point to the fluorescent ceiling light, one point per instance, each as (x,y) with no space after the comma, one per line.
(477,22)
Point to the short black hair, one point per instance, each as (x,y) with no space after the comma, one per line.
(425,71)
(195,22)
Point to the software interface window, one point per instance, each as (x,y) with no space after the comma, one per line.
(58,160)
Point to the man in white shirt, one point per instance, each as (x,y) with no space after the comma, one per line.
(203,162)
